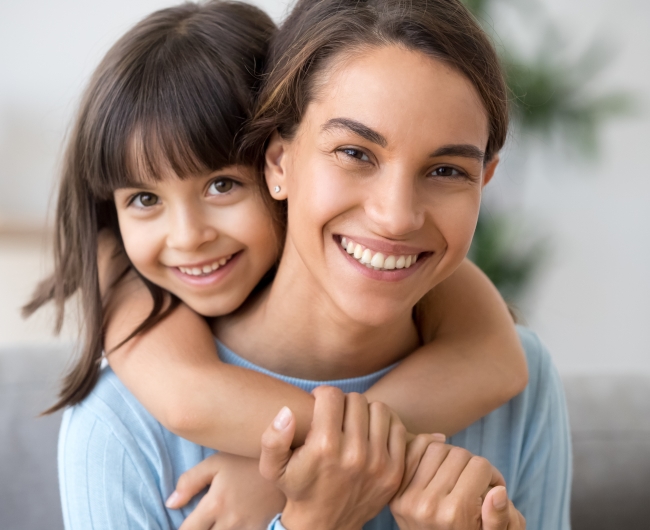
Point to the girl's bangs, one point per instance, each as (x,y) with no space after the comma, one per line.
(175,114)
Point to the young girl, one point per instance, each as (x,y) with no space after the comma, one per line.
(158,127)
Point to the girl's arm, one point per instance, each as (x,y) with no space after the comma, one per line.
(473,365)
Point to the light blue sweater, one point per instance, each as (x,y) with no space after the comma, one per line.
(118,465)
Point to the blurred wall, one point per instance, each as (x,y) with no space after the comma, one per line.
(591,303)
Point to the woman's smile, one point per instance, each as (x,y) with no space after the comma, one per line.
(385,174)
(381,260)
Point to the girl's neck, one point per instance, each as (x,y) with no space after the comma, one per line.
(293,328)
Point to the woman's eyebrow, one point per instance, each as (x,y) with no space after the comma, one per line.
(357,128)
(462,150)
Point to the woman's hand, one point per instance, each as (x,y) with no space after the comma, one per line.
(238,498)
(447,488)
(348,469)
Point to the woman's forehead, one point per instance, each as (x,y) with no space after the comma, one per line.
(402,92)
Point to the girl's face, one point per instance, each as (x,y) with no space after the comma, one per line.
(208,239)
(383,179)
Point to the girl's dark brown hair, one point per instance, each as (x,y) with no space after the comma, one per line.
(319,31)
(174,92)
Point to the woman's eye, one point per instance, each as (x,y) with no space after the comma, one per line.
(355,153)
(446,171)
(145,200)
(221,186)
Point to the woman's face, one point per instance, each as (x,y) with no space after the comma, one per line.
(208,238)
(383,180)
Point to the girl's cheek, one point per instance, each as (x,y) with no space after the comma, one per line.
(139,242)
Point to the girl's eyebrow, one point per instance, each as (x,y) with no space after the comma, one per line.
(135,185)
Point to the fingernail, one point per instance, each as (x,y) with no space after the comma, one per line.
(439,437)
(173,500)
(500,498)
(282,420)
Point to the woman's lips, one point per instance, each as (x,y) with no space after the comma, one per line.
(377,265)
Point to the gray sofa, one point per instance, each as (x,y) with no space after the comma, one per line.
(610,422)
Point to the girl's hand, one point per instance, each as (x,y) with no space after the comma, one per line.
(349,468)
(238,498)
(444,487)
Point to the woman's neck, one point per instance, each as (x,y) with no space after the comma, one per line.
(295,329)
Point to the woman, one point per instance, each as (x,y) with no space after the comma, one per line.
(384,124)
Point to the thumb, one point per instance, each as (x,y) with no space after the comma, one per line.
(495,509)
(193,481)
(276,445)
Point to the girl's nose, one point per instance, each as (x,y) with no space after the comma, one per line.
(189,230)
(393,205)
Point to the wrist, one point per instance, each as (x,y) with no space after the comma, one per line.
(298,518)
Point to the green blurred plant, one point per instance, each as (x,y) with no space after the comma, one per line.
(553,100)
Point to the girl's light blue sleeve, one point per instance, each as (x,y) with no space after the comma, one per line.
(543,489)
(101,486)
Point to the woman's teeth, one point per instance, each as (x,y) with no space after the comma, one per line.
(377,261)
(206,269)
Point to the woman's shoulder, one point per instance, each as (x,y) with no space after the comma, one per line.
(110,414)
(543,378)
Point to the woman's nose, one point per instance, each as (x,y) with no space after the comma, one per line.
(394,206)
(188,230)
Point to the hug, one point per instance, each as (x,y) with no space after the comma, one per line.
(267,229)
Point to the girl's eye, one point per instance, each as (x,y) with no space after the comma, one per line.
(221,186)
(145,200)
(355,153)
(446,171)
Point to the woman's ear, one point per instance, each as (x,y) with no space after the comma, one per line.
(489,170)
(274,168)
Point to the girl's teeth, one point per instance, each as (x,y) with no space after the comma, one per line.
(377,261)
(206,269)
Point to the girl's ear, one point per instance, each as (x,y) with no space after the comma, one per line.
(274,169)
(489,170)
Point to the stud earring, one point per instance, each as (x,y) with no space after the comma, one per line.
(277,189)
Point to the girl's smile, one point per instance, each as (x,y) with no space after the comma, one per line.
(206,238)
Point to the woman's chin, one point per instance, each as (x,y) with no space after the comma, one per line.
(374,311)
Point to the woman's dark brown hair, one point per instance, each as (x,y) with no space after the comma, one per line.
(176,90)
(317,32)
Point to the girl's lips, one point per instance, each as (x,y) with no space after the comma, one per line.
(394,275)
(208,279)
